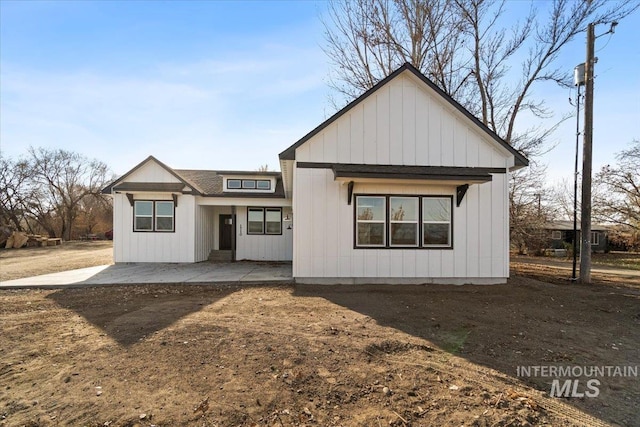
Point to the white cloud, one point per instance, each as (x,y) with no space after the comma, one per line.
(211,113)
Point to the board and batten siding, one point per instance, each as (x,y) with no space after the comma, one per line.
(402,123)
(177,246)
(205,231)
(131,246)
(262,247)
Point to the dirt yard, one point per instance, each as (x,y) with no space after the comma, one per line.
(316,356)
(27,262)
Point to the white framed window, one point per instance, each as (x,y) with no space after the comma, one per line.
(263,184)
(255,221)
(437,222)
(234,184)
(403,221)
(264,221)
(273,221)
(556,235)
(595,238)
(143,215)
(248,184)
(164,216)
(154,215)
(370,221)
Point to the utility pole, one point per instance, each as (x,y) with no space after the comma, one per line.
(585,218)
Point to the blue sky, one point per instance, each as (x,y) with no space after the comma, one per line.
(221,85)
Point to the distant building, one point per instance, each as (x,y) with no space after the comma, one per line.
(561,232)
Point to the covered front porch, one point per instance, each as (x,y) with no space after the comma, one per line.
(228,232)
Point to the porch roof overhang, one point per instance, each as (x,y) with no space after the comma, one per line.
(359,173)
(453,175)
(159,187)
(460,177)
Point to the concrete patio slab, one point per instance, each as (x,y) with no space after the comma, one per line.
(134,273)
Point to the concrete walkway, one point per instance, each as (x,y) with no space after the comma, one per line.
(124,274)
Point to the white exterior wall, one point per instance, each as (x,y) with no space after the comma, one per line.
(205,232)
(262,247)
(130,246)
(402,123)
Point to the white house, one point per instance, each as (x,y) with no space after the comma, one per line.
(403,185)
(171,215)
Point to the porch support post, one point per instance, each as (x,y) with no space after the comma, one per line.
(233,233)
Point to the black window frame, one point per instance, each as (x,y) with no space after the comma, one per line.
(264,210)
(387,222)
(239,181)
(245,184)
(154,217)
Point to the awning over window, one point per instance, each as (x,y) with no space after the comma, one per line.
(160,187)
(427,173)
(461,177)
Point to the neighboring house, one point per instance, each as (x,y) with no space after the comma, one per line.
(403,185)
(560,234)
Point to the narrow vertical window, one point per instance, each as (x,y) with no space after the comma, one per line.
(370,219)
(255,221)
(164,216)
(273,221)
(595,238)
(403,221)
(143,215)
(436,222)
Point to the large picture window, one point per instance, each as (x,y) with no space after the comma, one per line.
(403,221)
(264,221)
(153,215)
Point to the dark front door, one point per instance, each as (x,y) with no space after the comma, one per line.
(226,231)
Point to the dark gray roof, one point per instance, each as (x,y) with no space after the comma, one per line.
(568,226)
(210,183)
(446,173)
(201,182)
(290,153)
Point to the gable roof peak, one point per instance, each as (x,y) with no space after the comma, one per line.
(290,152)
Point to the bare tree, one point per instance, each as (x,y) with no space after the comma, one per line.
(562,200)
(529,209)
(467,47)
(15,192)
(64,180)
(477,54)
(618,190)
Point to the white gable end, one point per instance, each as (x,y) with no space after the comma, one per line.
(404,122)
(151,172)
